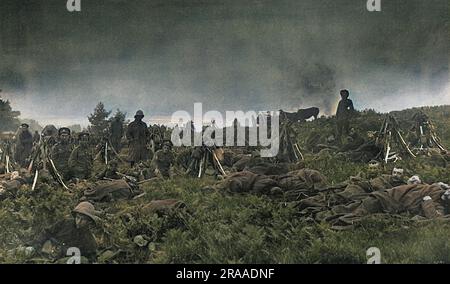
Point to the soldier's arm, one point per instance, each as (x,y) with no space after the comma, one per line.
(128,133)
(350,105)
(46,234)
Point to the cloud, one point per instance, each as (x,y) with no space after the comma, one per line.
(162,56)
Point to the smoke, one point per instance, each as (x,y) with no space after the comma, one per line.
(162,56)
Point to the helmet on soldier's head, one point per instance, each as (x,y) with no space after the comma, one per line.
(63,130)
(87,209)
(24,125)
(344,93)
(139,113)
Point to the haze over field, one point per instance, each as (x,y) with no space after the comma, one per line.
(162,56)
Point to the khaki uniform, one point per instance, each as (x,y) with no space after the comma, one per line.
(162,162)
(247,182)
(81,161)
(60,154)
(65,234)
(109,190)
(405,198)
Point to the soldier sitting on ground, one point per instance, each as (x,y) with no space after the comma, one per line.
(141,172)
(163,160)
(74,231)
(61,152)
(81,158)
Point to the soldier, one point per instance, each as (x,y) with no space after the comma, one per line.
(343,115)
(49,135)
(140,172)
(61,151)
(24,144)
(81,158)
(116,133)
(137,136)
(106,190)
(429,201)
(247,182)
(163,160)
(110,172)
(71,232)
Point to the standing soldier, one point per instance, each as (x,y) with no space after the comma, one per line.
(116,133)
(24,144)
(343,115)
(61,151)
(137,136)
(81,159)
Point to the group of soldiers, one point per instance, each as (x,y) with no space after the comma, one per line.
(60,157)
(72,155)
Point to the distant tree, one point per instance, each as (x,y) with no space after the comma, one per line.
(99,120)
(116,129)
(8,118)
(119,116)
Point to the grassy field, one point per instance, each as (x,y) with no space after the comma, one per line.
(219,228)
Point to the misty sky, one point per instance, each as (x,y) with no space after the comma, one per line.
(162,56)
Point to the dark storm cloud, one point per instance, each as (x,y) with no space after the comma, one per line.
(163,56)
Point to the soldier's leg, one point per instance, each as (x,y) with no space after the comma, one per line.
(346,127)
(369,205)
(339,131)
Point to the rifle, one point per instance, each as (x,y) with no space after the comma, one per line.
(217,161)
(130,178)
(115,152)
(57,175)
(106,153)
(298,150)
(148,180)
(202,161)
(35,180)
(7,164)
